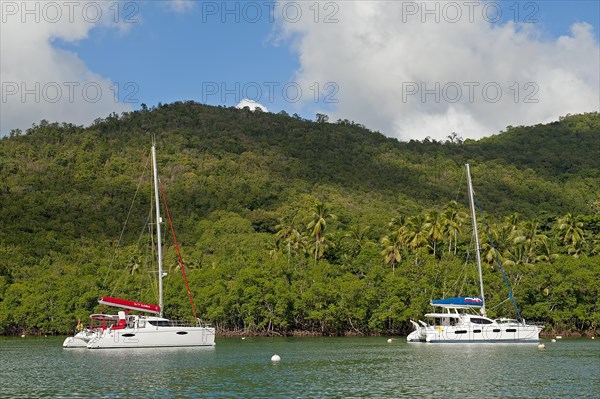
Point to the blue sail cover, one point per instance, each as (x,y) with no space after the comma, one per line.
(459,302)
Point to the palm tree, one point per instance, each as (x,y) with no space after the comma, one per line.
(488,253)
(274,249)
(434,226)
(392,247)
(317,227)
(397,222)
(290,236)
(512,221)
(571,233)
(453,221)
(596,244)
(527,241)
(503,237)
(416,234)
(547,253)
(318,247)
(358,237)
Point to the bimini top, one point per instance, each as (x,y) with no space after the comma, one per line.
(132,305)
(458,302)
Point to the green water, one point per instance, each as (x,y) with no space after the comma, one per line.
(309,368)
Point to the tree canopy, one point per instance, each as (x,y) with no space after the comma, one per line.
(292,225)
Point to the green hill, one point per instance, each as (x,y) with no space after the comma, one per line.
(239,182)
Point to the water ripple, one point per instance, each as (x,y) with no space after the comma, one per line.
(309,368)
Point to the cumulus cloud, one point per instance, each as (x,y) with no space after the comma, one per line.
(413,72)
(39,80)
(181,6)
(253,105)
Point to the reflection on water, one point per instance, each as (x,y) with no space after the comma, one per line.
(309,367)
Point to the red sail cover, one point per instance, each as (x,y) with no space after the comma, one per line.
(125,304)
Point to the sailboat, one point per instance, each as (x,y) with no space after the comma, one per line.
(149,329)
(464,319)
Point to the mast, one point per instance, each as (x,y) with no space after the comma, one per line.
(473,218)
(158,222)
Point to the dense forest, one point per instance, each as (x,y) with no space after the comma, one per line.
(294,226)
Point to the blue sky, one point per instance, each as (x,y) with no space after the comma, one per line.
(219,52)
(172,55)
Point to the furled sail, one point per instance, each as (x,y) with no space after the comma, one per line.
(132,305)
(471,302)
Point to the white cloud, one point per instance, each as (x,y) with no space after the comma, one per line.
(39,80)
(181,6)
(253,105)
(400,71)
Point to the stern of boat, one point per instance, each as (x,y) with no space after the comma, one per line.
(79,340)
(419,335)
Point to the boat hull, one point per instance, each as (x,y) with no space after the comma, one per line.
(159,337)
(461,334)
(79,340)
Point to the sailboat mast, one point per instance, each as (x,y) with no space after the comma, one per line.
(158,235)
(473,218)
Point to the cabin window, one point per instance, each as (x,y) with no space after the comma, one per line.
(511,330)
(476,331)
(128,335)
(460,332)
(478,320)
(496,330)
(160,323)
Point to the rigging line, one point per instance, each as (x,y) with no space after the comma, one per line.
(124,226)
(153,247)
(460,277)
(460,188)
(181,266)
(500,303)
(146,229)
(489,233)
(463,271)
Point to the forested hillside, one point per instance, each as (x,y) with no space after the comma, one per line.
(291,225)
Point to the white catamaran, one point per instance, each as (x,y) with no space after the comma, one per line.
(459,321)
(125,330)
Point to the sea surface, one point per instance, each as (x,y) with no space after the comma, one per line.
(309,368)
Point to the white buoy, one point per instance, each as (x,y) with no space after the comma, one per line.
(389,341)
(22,335)
(275,358)
(553,340)
(593,337)
(243,337)
(559,337)
(541,346)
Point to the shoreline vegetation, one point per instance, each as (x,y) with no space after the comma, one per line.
(314,334)
(296,227)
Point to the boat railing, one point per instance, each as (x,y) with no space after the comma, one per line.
(177,323)
(182,323)
(535,323)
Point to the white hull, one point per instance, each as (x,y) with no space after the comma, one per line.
(153,337)
(458,322)
(475,333)
(138,331)
(134,331)
(79,340)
